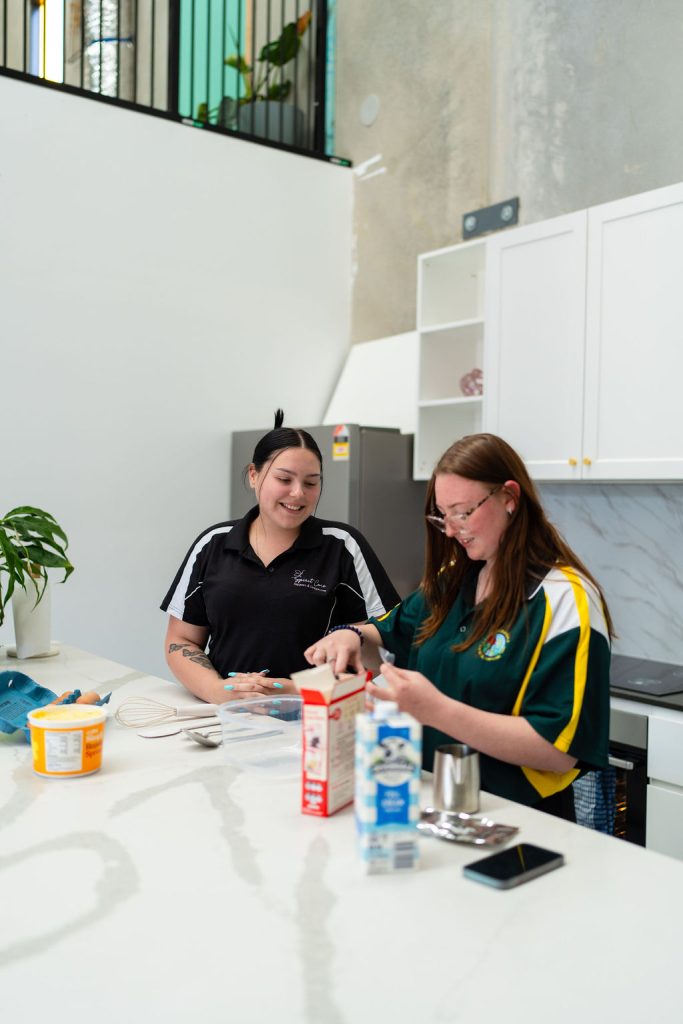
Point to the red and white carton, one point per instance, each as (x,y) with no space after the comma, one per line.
(329,721)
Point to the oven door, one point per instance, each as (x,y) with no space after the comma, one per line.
(630,769)
(628,758)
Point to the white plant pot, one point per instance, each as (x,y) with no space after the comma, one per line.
(32,625)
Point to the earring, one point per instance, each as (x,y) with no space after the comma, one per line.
(509,511)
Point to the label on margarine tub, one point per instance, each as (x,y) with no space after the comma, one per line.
(63,751)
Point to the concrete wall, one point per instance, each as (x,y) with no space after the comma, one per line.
(565,104)
(160,287)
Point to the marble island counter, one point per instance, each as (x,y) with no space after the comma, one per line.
(171,884)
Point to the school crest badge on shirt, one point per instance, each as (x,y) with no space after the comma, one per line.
(494,646)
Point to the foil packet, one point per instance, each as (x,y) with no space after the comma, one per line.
(472,829)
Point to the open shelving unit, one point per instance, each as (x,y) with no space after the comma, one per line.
(450,324)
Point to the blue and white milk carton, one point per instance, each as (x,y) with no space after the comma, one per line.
(387,788)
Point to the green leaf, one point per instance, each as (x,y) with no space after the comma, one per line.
(283,49)
(31,518)
(202,112)
(279,90)
(9,555)
(237,61)
(28,526)
(39,556)
(30,510)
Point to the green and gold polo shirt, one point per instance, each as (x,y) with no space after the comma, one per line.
(551,667)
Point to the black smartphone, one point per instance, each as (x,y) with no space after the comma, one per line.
(512,867)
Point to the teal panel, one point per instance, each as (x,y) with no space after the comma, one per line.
(330,75)
(209,30)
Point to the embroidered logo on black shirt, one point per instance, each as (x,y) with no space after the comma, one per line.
(310,582)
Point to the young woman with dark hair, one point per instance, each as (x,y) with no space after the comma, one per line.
(506,645)
(258,590)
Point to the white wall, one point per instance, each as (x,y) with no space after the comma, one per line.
(159,287)
(378,384)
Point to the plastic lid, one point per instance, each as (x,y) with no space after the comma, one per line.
(64,715)
(384,708)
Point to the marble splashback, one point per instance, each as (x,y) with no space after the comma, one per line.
(631,538)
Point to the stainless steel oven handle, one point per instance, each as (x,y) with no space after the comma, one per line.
(618,762)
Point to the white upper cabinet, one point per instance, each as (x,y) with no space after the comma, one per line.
(634,338)
(583,352)
(450,324)
(535,328)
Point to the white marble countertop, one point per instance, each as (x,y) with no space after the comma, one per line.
(171,883)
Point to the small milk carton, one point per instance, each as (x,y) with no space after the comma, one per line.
(387,792)
(328,726)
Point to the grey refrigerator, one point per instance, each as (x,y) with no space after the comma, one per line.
(367,482)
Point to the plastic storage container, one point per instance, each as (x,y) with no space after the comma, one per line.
(263,735)
(67,739)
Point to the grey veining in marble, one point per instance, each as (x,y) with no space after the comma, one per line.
(631,538)
(315,902)
(117,883)
(21,798)
(119,681)
(216,781)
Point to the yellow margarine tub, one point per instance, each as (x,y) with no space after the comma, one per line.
(66,739)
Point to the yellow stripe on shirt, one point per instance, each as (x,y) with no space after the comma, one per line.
(546,783)
(381,618)
(565,738)
(547,619)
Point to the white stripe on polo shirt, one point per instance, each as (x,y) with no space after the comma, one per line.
(563,587)
(370,594)
(176,605)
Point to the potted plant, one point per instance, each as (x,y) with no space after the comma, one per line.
(31,542)
(261,109)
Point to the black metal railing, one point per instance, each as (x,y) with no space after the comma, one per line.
(256,67)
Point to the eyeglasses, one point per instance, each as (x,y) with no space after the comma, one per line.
(440,522)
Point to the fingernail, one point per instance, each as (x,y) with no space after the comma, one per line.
(264,672)
(229,686)
(279,686)
(231,674)
(276,701)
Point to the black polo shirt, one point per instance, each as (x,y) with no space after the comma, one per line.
(262,617)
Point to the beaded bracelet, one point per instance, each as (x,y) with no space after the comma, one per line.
(354,629)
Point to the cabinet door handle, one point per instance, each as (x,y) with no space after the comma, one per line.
(587,462)
(572,462)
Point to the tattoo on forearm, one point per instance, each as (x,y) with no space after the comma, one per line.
(193,653)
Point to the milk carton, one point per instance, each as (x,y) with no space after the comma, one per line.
(328,727)
(387,789)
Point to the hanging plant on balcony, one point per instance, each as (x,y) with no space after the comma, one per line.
(256,80)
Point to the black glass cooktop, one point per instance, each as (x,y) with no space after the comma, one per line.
(639,675)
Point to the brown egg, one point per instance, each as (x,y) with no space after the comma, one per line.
(90,697)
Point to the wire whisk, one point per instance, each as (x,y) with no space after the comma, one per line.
(139,712)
